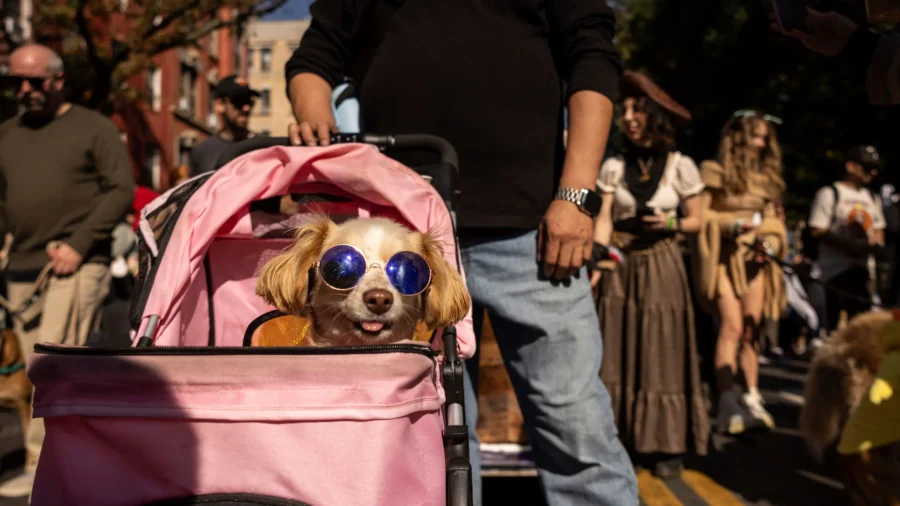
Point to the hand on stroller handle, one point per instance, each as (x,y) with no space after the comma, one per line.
(432,143)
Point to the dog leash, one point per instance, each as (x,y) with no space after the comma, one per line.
(40,285)
(789,269)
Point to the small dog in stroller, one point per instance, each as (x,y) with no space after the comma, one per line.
(366,281)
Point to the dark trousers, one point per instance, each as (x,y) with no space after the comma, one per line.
(848,291)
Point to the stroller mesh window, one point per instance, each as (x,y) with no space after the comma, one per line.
(162,221)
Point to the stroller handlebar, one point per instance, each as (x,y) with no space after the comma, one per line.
(432,143)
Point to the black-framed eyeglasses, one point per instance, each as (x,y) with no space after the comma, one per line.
(14,83)
(871,168)
(746,113)
(239,103)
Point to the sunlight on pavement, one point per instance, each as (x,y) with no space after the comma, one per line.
(709,490)
(654,492)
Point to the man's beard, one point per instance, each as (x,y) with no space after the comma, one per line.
(47,111)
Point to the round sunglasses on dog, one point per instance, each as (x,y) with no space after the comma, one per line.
(343,266)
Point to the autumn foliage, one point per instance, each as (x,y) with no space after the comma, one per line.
(105,42)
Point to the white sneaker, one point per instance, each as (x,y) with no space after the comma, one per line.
(20,486)
(754,403)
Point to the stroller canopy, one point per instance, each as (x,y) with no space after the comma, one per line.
(200,273)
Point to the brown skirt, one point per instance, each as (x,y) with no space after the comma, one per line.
(650,362)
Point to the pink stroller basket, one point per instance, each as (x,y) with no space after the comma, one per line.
(191,415)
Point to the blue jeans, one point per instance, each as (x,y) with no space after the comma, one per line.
(550,341)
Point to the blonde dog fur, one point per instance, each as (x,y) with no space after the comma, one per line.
(336,317)
(841,372)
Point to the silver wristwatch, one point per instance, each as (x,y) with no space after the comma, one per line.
(588,201)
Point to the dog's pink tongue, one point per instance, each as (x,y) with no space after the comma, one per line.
(372,326)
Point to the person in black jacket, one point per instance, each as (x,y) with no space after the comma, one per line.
(492,78)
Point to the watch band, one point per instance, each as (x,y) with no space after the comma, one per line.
(586,200)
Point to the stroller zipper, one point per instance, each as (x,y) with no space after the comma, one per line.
(240,350)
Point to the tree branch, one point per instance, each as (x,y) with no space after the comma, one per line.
(212,26)
(82,24)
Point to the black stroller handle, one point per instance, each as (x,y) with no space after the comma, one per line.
(432,143)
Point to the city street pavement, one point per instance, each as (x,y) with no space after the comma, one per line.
(772,469)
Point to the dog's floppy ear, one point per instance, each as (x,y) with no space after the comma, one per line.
(284,279)
(447,300)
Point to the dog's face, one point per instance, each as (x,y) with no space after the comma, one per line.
(357,296)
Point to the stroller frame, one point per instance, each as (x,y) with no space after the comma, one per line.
(443,177)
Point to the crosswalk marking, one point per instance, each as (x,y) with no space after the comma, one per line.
(709,490)
(654,492)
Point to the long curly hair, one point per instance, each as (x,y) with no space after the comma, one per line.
(738,162)
(659,129)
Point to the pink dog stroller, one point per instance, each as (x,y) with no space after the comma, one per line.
(191,415)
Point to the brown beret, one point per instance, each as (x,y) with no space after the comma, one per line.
(635,84)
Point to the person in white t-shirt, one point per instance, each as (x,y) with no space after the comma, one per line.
(849,224)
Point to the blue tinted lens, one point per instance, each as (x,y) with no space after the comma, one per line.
(408,272)
(342,267)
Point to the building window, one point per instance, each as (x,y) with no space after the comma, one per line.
(237,47)
(265,59)
(188,100)
(185,145)
(153,165)
(211,118)
(214,44)
(250,60)
(264,101)
(154,88)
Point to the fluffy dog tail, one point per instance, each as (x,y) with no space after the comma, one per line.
(840,373)
(826,399)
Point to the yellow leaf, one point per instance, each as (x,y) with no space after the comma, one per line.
(881,391)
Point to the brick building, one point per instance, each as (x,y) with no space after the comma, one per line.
(177,112)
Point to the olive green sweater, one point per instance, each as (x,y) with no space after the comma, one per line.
(68,180)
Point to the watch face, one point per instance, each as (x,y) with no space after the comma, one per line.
(592,203)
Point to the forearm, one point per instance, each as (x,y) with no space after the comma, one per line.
(690,224)
(310,97)
(115,195)
(590,118)
(110,209)
(603,227)
(838,242)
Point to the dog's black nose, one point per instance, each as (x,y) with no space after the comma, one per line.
(378,301)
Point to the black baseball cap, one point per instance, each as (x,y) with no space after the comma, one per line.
(234,88)
(865,155)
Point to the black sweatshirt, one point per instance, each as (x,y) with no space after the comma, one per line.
(484,74)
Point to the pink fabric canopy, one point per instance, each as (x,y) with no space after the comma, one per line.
(216,219)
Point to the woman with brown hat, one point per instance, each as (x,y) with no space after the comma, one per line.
(650,360)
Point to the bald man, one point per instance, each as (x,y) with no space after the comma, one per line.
(65,183)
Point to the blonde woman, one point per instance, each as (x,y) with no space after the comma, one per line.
(736,278)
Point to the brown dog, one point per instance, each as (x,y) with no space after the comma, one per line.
(15,387)
(840,374)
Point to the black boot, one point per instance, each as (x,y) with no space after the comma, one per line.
(668,467)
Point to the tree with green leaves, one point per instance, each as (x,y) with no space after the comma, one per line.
(106,42)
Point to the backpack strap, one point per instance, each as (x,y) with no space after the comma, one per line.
(837,195)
